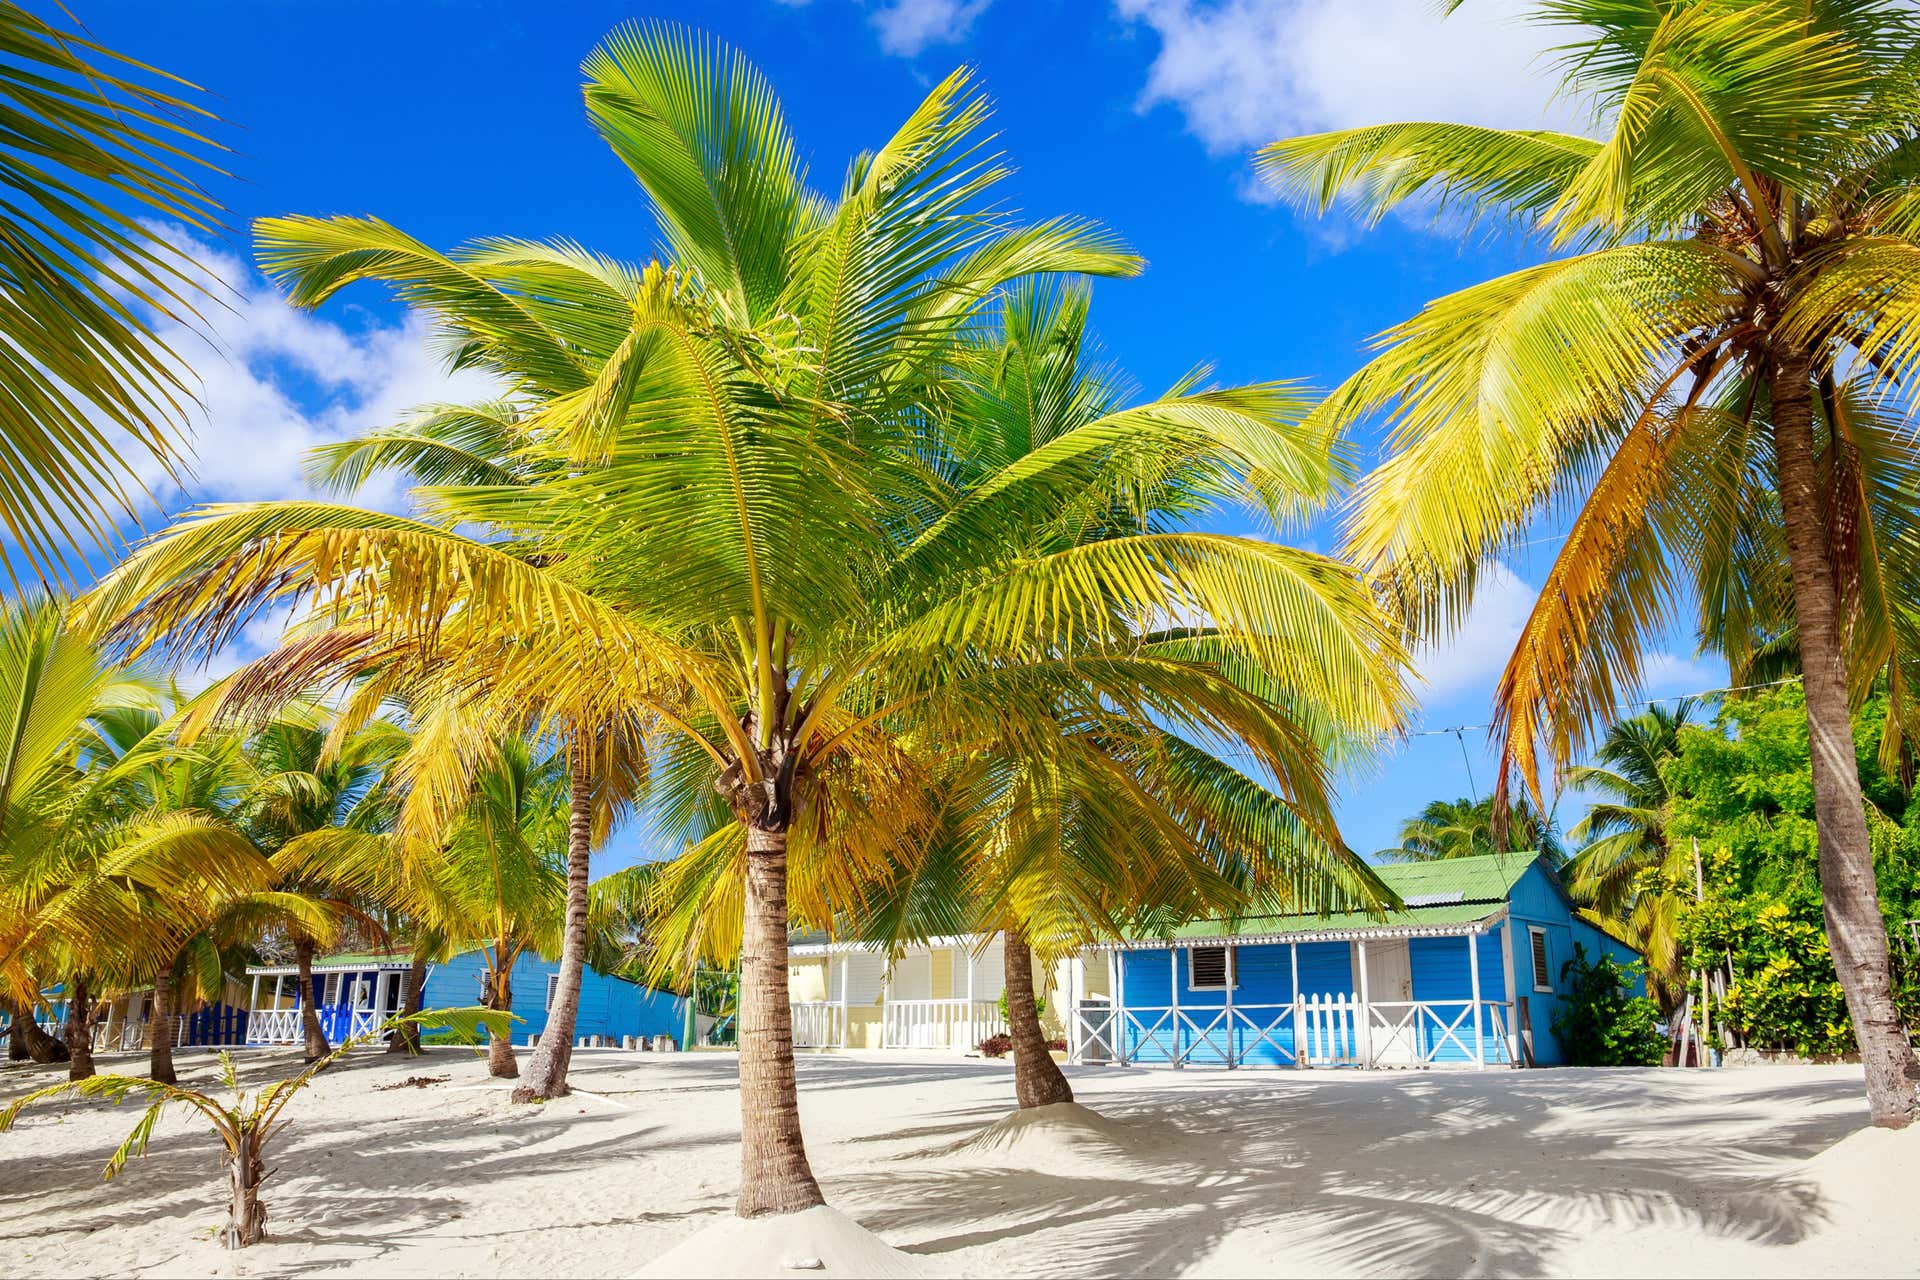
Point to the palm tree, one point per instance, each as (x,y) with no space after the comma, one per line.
(1747,269)
(1089,824)
(500,875)
(158,779)
(1622,839)
(93,146)
(317,808)
(1464,828)
(737,530)
(482,444)
(95,884)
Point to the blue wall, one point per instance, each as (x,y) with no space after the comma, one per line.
(1262,1035)
(608,1006)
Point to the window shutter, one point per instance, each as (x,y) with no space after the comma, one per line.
(1207,969)
(1542,970)
(553,986)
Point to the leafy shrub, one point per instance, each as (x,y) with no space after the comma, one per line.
(1600,1022)
(1039,1008)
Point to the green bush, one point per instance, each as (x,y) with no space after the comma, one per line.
(1039,1008)
(1600,1022)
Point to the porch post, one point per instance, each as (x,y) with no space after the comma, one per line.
(1479,1036)
(1120,1004)
(846,1019)
(253,998)
(1366,1012)
(1075,967)
(1173,972)
(886,1004)
(1231,975)
(1299,1014)
(973,1031)
(1512,1016)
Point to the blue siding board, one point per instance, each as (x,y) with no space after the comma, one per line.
(609,1006)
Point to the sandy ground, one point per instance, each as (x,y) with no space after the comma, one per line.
(1206,1173)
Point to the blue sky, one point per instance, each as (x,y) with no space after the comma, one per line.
(462,120)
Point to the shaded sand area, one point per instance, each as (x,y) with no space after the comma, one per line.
(1207,1173)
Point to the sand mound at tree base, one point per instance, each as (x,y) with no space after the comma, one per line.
(816,1242)
(1069,1140)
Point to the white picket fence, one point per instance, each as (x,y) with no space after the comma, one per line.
(819,1024)
(939,1024)
(1330,1029)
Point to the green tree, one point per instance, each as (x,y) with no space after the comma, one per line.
(1745,277)
(1624,858)
(1744,789)
(1463,828)
(318,805)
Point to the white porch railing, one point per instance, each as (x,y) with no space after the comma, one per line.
(274,1026)
(1327,1030)
(819,1024)
(939,1024)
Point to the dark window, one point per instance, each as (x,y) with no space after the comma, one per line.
(553,986)
(1207,968)
(1542,971)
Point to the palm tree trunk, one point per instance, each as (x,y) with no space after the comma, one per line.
(17,1050)
(160,1028)
(1855,930)
(501,1061)
(774,1174)
(246,1216)
(40,1046)
(79,1031)
(1037,1078)
(406,1038)
(546,1075)
(316,1046)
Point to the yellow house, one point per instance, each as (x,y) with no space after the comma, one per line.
(944,994)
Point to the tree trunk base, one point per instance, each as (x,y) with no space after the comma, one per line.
(501,1062)
(246,1216)
(1037,1078)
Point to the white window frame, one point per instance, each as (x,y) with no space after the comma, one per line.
(486,983)
(553,988)
(1231,969)
(1539,955)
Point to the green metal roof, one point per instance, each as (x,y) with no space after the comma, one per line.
(1447,892)
(344,960)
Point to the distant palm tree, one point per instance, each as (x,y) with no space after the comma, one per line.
(1741,281)
(92,146)
(1623,838)
(1463,828)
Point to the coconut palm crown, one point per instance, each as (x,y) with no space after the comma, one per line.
(1740,272)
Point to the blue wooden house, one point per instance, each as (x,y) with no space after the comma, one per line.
(1470,973)
(355,993)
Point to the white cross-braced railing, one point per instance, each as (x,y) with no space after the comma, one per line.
(1329,1029)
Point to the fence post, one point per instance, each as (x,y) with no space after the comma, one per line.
(1479,1036)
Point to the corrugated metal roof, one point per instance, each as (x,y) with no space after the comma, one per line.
(1448,892)
(344,960)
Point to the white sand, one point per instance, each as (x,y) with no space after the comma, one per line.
(1575,1173)
(821,1241)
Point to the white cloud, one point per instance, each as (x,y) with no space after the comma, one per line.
(1471,659)
(274,381)
(906,27)
(1246,72)
(1670,674)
